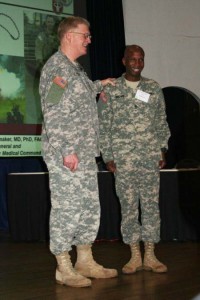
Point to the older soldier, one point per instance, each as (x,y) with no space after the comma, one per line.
(70,144)
(133,135)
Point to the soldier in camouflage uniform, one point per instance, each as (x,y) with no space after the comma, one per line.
(70,144)
(133,138)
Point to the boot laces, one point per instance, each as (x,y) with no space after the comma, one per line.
(67,266)
(135,251)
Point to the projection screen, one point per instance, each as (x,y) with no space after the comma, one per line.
(28,37)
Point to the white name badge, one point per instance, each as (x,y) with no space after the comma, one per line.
(143,96)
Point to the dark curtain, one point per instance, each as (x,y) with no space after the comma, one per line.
(108,37)
(183,117)
(15,165)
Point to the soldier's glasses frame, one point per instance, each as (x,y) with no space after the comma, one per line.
(86,35)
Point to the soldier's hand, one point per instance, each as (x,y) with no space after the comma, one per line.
(103,97)
(110,165)
(71,162)
(110,81)
(162,163)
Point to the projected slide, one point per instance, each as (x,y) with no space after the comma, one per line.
(28,38)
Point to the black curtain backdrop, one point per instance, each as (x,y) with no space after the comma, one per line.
(183,117)
(15,165)
(108,37)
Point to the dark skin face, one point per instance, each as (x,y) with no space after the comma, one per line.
(134,64)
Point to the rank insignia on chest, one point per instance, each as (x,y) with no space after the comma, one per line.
(60,82)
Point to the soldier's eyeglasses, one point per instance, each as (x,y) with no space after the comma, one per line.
(86,35)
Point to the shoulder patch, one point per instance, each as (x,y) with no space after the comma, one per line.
(60,81)
(56,90)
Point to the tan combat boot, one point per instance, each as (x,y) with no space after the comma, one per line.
(135,263)
(66,274)
(151,263)
(87,267)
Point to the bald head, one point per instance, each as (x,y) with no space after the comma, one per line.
(130,49)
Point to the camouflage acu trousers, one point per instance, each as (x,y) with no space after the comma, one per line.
(75,211)
(137,182)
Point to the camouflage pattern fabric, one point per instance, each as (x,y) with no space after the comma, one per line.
(68,100)
(132,133)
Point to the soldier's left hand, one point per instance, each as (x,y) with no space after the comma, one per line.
(111,81)
(162,163)
(103,97)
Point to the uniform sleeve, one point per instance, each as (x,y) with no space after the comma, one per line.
(98,86)
(58,120)
(105,124)
(162,128)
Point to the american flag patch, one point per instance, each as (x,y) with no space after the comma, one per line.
(60,81)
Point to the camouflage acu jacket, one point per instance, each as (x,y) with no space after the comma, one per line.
(132,121)
(68,100)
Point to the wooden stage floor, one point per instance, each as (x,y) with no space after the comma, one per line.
(27,272)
